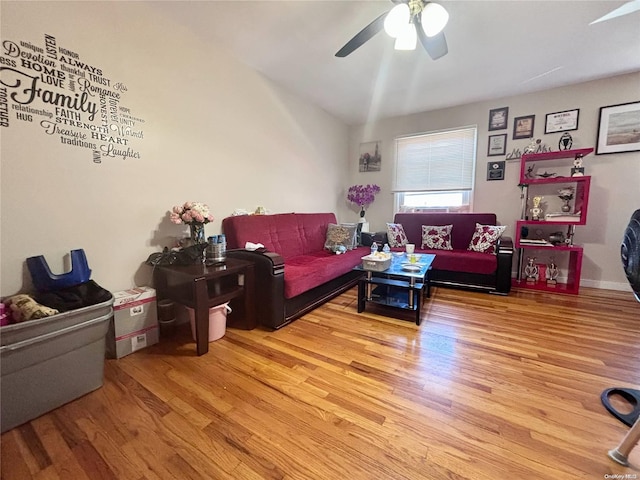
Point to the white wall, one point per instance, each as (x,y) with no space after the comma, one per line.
(215,131)
(615,186)
(218,132)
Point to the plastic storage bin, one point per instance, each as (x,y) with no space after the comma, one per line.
(48,362)
(217,321)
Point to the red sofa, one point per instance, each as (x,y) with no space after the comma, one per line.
(294,273)
(461,267)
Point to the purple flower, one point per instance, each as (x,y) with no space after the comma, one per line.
(362,195)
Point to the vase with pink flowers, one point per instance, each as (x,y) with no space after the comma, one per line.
(194,214)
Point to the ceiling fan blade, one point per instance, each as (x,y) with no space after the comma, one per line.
(625,9)
(435,46)
(361,37)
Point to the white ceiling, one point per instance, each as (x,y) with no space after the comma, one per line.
(496,49)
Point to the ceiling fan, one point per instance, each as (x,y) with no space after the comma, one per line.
(624,9)
(408,21)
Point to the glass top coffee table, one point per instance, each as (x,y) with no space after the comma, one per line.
(402,285)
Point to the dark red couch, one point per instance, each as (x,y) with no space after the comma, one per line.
(294,273)
(460,267)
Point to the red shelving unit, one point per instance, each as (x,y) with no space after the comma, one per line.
(581,186)
(540,157)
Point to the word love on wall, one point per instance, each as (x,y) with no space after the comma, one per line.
(74,102)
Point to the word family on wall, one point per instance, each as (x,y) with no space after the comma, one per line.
(67,99)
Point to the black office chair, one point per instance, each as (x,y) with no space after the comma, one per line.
(630,254)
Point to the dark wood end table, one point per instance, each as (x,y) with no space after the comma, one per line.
(201,287)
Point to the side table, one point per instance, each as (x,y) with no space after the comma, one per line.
(202,286)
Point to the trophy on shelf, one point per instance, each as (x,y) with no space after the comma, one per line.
(565,141)
(531,270)
(552,273)
(566,195)
(536,211)
(577,170)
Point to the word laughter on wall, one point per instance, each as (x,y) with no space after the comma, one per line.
(50,88)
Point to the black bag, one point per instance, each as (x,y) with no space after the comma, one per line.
(186,256)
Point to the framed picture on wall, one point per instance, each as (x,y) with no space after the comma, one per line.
(497,145)
(495,170)
(619,129)
(523,126)
(498,118)
(561,121)
(370,157)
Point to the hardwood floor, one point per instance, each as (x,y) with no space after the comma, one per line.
(487,387)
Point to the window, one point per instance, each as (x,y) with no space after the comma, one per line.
(435,171)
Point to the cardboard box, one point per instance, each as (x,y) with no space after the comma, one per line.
(135,322)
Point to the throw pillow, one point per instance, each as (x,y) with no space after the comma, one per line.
(396,235)
(354,243)
(337,235)
(436,237)
(485,238)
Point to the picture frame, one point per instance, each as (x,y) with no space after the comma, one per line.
(498,118)
(370,158)
(523,126)
(562,121)
(619,129)
(497,145)
(495,170)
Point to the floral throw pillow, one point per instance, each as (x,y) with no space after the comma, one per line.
(485,238)
(436,237)
(395,235)
(340,235)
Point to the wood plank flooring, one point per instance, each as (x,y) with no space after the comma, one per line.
(487,387)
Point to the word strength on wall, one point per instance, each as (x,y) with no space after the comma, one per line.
(51,89)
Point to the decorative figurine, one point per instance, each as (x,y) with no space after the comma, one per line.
(565,141)
(577,170)
(566,194)
(536,211)
(552,273)
(536,146)
(531,148)
(531,270)
(530,173)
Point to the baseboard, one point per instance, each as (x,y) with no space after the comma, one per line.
(625,287)
(601,284)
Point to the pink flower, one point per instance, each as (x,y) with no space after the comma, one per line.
(191,212)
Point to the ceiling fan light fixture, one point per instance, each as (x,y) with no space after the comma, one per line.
(397,19)
(433,18)
(407,39)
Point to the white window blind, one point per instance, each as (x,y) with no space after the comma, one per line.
(436,161)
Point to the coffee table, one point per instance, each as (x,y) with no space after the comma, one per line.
(402,285)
